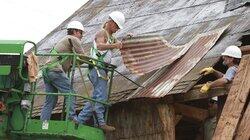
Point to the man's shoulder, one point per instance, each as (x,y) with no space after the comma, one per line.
(65,40)
(101,33)
(63,44)
(73,38)
(233,68)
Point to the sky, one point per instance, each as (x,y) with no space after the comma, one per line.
(34,19)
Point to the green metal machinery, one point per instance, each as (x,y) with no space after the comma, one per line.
(16,104)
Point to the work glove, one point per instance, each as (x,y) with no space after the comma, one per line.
(205,88)
(207,71)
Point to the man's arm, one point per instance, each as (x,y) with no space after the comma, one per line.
(228,77)
(219,82)
(76,44)
(101,42)
(218,74)
(210,70)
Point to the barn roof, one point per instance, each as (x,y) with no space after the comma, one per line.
(177,21)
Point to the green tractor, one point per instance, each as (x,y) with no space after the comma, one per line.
(16,104)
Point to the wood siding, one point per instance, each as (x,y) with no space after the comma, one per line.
(142,120)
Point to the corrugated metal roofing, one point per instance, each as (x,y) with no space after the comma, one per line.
(191,78)
(178,21)
(144,54)
(233,4)
(161,87)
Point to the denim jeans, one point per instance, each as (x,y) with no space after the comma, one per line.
(100,94)
(56,81)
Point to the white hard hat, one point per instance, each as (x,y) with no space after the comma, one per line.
(75,25)
(232,51)
(118,17)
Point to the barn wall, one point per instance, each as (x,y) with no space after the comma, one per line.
(139,120)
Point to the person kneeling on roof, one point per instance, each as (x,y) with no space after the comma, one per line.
(54,73)
(102,49)
(231,58)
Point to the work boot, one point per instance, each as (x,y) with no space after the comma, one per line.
(107,128)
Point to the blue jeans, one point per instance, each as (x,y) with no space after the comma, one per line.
(100,94)
(56,81)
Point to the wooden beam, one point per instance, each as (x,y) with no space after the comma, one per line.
(195,94)
(245,49)
(177,119)
(167,117)
(191,112)
(244,128)
(235,102)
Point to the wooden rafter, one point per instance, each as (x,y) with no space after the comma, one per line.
(245,49)
(191,111)
(195,94)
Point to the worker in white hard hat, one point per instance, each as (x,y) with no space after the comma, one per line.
(231,58)
(54,73)
(102,49)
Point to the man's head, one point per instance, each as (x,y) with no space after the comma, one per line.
(76,29)
(232,55)
(116,21)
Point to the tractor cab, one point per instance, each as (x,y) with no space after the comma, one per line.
(17,103)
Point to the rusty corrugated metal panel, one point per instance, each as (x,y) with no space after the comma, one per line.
(190,79)
(161,87)
(144,54)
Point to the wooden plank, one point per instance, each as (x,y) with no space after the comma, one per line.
(191,112)
(245,49)
(136,120)
(244,127)
(195,94)
(235,102)
(167,117)
(177,119)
